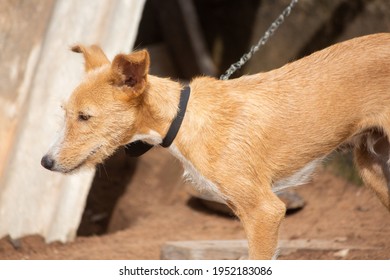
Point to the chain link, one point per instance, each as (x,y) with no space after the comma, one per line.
(270,31)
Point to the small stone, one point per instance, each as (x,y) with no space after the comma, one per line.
(292,200)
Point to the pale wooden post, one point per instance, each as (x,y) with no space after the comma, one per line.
(34,200)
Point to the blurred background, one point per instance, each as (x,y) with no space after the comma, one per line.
(130,206)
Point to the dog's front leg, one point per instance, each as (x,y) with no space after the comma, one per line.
(261,217)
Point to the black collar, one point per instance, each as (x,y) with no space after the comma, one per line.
(138,148)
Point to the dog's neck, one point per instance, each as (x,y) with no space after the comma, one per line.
(158,110)
(207,120)
(140,147)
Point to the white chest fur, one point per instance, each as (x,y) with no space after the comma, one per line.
(205,187)
(300,177)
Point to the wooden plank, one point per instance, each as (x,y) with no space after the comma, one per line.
(34,200)
(341,17)
(20,43)
(184,37)
(290,246)
(238,249)
(374,18)
(205,250)
(291,38)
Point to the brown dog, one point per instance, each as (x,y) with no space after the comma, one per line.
(246,138)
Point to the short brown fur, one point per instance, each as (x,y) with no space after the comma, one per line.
(243,135)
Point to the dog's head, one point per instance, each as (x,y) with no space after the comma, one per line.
(101,114)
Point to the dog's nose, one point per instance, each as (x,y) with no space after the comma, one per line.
(48,162)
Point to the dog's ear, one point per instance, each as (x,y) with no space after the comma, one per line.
(94,56)
(131,70)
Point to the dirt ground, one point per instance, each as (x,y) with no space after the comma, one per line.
(142,205)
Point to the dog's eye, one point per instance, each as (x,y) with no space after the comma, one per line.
(83,116)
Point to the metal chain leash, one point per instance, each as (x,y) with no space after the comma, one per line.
(270,31)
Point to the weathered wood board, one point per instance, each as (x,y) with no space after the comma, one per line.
(238,249)
(34,200)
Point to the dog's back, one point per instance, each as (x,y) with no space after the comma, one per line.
(300,112)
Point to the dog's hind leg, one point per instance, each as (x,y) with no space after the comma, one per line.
(372,157)
(261,216)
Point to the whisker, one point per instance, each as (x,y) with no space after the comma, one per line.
(105,170)
(99,170)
